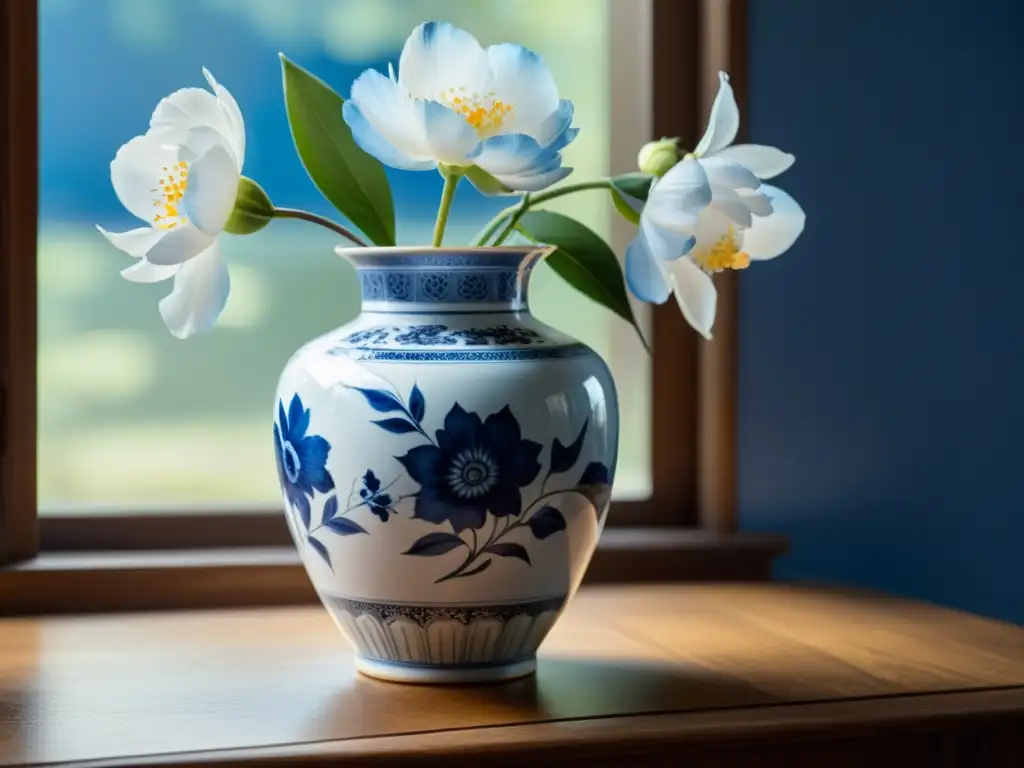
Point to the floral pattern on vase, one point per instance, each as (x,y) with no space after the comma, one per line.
(434,335)
(470,474)
(484,284)
(301,458)
(475,466)
(450,564)
(302,470)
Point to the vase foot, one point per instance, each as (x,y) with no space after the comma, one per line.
(427,674)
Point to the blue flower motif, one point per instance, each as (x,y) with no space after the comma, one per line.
(380,503)
(477,466)
(301,458)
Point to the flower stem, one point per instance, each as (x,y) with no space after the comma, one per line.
(352,492)
(295,213)
(494,534)
(470,559)
(351,506)
(473,555)
(541,197)
(451,181)
(513,220)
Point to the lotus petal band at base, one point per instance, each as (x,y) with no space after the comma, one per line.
(457,643)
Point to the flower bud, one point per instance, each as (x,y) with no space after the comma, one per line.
(657,157)
(253,209)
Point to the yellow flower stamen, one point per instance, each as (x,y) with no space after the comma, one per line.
(485,113)
(724,254)
(171,189)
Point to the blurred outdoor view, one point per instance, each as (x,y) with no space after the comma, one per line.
(133,418)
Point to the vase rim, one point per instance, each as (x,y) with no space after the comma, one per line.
(480,278)
(440,249)
(350,251)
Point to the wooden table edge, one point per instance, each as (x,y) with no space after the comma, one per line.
(616,735)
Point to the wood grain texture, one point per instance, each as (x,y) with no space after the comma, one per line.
(18,204)
(967,730)
(239,576)
(628,671)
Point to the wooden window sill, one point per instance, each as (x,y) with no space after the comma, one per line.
(758,675)
(122,580)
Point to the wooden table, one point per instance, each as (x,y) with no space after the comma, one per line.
(759,675)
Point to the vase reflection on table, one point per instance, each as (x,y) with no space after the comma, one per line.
(447,462)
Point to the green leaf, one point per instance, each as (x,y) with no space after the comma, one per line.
(351,180)
(484,182)
(253,209)
(636,185)
(629,185)
(583,260)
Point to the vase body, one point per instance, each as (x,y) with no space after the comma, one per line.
(446,463)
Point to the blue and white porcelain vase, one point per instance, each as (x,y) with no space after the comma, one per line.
(446,463)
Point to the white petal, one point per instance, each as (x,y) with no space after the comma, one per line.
(764,162)
(212,189)
(437,57)
(190,108)
(450,138)
(371,141)
(758,202)
(198,141)
(523,81)
(234,115)
(555,130)
(737,212)
(712,226)
(135,173)
(180,244)
(537,181)
(200,292)
(134,242)
(192,143)
(755,201)
(143,271)
(666,244)
(773,235)
(646,275)
(513,153)
(726,173)
(724,122)
(677,198)
(388,123)
(520,163)
(695,294)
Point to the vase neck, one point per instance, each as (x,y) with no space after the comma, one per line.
(400,280)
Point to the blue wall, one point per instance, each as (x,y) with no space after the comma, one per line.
(882,359)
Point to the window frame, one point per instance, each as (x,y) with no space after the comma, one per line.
(19,142)
(693,383)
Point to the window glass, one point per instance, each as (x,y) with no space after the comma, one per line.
(130,417)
